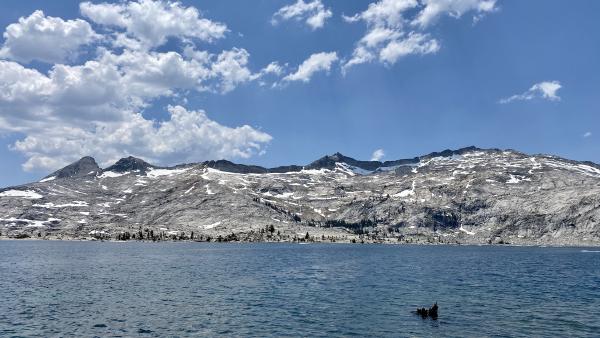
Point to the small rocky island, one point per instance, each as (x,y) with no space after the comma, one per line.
(464,196)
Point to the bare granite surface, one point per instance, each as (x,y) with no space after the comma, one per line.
(467,196)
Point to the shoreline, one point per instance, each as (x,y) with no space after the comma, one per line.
(538,245)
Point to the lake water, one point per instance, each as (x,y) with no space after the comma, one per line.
(86,289)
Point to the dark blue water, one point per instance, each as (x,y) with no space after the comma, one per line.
(86,289)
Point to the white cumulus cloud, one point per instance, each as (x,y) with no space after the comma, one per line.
(317,62)
(100,106)
(397,28)
(377,155)
(94,108)
(313,13)
(187,136)
(587,134)
(45,38)
(414,43)
(435,8)
(544,90)
(149,23)
(273,68)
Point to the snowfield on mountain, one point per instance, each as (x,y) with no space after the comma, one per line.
(470,195)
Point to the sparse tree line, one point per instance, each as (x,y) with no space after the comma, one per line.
(267,233)
(270,234)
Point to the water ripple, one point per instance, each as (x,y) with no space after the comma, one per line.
(276,290)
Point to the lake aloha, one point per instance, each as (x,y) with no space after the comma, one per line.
(62,288)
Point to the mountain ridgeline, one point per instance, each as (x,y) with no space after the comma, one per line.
(464,196)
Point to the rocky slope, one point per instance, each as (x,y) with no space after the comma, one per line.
(469,195)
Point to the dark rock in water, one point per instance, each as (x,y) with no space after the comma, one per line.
(145,331)
(432,312)
(130,164)
(84,167)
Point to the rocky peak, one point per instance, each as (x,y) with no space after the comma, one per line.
(461,151)
(228,166)
(85,166)
(130,164)
(325,162)
(329,162)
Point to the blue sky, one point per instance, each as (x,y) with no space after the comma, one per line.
(466,82)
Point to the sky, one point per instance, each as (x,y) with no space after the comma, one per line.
(277,82)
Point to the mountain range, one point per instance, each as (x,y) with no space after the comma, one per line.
(464,196)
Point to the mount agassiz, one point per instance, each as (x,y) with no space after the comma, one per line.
(469,195)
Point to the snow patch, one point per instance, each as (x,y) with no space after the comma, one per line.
(351,170)
(514,179)
(28,194)
(50,205)
(48,179)
(210,226)
(581,168)
(153,173)
(112,174)
(394,167)
(140,182)
(407,192)
(466,231)
(284,195)
(314,171)
(190,189)
(319,211)
(30,223)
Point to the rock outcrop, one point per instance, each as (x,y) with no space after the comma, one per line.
(84,167)
(468,195)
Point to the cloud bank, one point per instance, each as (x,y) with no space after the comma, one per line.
(105,73)
(98,106)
